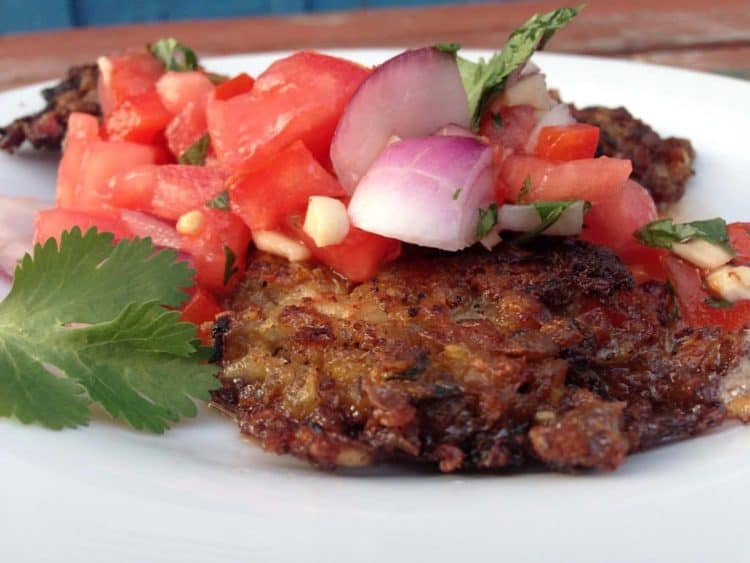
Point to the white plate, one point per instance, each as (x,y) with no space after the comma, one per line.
(106,493)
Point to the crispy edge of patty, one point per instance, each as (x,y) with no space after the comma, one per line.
(587,404)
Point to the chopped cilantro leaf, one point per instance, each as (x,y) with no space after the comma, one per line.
(482,80)
(497,120)
(451,48)
(457,193)
(487,220)
(717,303)
(229,264)
(525,189)
(663,233)
(72,333)
(221,201)
(216,78)
(197,152)
(174,54)
(549,213)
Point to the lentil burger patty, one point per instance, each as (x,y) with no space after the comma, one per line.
(471,360)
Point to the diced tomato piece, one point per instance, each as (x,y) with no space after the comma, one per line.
(102,161)
(167,191)
(686,281)
(300,97)
(358,257)
(220,235)
(50,223)
(82,130)
(567,142)
(187,126)
(240,84)
(143,225)
(613,221)
(591,179)
(140,119)
(739,238)
(266,197)
(177,89)
(200,308)
(508,126)
(134,188)
(124,77)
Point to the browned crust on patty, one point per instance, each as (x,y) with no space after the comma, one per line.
(481,360)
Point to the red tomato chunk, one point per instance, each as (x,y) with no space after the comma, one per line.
(82,130)
(267,197)
(240,84)
(694,306)
(101,162)
(739,238)
(178,89)
(50,223)
(200,308)
(167,191)
(590,179)
(140,119)
(568,142)
(358,257)
(124,77)
(300,97)
(220,236)
(187,127)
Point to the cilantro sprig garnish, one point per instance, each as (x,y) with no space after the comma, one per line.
(86,322)
(663,233)
(483,79)
(174,54)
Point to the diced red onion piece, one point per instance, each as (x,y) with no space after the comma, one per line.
(559,115)
(426,191)
(453,130)
(492,239)
(525,218)
(17,229)
(410,95)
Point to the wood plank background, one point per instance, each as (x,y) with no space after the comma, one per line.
(709,35)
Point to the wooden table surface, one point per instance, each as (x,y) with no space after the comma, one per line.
(709,35)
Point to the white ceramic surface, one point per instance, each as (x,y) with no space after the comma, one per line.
(200,493)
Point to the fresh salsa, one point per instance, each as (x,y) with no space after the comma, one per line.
(321,158)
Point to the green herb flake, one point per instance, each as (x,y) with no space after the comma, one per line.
(525,189)
(221,201)
(717,303)
(549,213)
(71,334)
(196,154)
(230,261)
(216,79)
(457,193)
(174,54)
(483,79)
(663,233)
(451,48)
(497,120)
(487,220)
